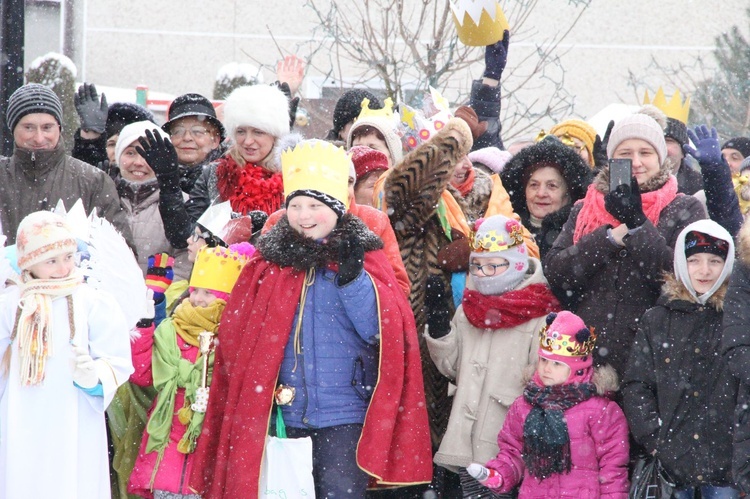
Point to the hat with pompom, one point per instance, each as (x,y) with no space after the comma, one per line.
(567,339)
(501,237)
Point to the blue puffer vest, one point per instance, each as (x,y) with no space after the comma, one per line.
(336,369)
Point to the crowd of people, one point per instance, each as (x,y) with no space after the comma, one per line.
(415,299)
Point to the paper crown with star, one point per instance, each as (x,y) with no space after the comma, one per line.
(566,335)
(479,22)
(674,108)
(419,125)
(492,241)
(317,165)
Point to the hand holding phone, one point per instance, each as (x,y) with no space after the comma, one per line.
(620,172)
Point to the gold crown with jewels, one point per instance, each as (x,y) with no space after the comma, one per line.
(566,345)
(492,241)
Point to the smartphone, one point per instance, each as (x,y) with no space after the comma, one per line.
(619,172)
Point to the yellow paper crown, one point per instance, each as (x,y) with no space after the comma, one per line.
(479,22)
(385,112)
(316,165)
(493,241)
(217,269)
(558,343)
(674,109)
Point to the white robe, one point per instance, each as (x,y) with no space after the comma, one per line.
(53,440)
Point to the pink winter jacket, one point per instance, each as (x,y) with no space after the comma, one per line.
(175,467)
(599,450)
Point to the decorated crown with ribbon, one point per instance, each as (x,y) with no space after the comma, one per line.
(479,22)
(566,335)
(492,241)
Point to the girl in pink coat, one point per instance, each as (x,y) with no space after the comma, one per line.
(563,436)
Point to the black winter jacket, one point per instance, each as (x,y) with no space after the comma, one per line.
(678,391)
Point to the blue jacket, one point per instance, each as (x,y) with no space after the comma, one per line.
(337,366)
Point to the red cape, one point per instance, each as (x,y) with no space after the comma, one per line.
(395,443)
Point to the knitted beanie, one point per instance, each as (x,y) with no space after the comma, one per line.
(132,132)
(349,106)
(676,130)
(367,160)
(121,114)
(580,130)
(32,98)
(638,126)
(491,157)
(500,236)
(386,127)
(700,242)
(193,105)
(264,107)
(742,144)
(42,235)
(566,339)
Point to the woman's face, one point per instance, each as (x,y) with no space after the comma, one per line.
(195,243)
(253,144)
(704,270)
(133,167)
(643,155)
(461,173)
(546,192)
(57,267)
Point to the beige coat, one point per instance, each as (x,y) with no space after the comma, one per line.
(487,367)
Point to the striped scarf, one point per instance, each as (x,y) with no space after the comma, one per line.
(33,325)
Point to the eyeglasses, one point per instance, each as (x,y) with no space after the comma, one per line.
(197,132)
(488,269)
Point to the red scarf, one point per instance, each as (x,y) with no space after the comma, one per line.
(249,188)
(467,184)
(509,309)
(593,214)
(395,442)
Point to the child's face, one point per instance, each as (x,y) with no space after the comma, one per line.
(487,266)
(372,141)
(57,267)
(310,217)
(201,297)
(552,372)
(704,270)
(364,189)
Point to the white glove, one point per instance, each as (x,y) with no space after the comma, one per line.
(84,371)
(150,308)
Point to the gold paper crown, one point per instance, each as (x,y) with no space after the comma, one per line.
(492,241)
(674,109)
(317,165)
(386,112)
(566,345)
(479,22)
(217,269)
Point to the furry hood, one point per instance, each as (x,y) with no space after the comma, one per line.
(575,171)
(286,247)
(604,378)
(673,290)
(656,182)
(743,241)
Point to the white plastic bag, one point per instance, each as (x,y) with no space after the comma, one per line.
(286,470)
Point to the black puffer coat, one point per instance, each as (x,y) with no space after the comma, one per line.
(679,394)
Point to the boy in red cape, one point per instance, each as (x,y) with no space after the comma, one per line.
(319,310)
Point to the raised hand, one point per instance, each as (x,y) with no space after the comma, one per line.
(161,156)
(625,204)
(496,56)
(707,147)
(91,111)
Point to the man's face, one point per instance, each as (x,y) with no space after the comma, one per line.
(674,149)
(193,139)
(37,132)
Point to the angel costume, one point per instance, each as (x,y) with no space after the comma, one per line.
(53,441)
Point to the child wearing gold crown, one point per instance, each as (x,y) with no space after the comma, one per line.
(495,328)
(563,434)
(177,359)
(321,321)
(65,351)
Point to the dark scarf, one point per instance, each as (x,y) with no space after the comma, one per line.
(546,443)
(509,309)
(250,187)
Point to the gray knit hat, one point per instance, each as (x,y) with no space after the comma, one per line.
(638,126)
(32,98)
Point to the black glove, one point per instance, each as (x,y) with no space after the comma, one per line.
(438,315)
(93,114)
(109,168)
(600,146)
(351,260)
(293,101)
(625,204)
(259,219)
(495,57)
(160,155)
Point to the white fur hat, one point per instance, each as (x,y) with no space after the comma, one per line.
(260,106)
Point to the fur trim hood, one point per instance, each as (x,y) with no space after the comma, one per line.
(264,107)
(575,171)
(286,247)
(743,241)
(673,290)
